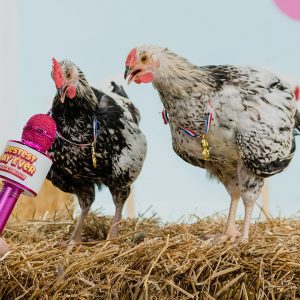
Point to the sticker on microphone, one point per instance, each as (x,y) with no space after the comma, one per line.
(25,166)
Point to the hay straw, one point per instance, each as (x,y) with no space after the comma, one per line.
(151,261)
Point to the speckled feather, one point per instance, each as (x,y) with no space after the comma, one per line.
(120,146)
(253,113)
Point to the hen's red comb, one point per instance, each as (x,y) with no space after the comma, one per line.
(57,73)
(130,58)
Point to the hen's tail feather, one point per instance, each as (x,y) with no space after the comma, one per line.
(99,186)
(134,113)
(119,90)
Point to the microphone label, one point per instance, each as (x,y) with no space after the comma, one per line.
(25,166)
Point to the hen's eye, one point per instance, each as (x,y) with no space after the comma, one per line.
(68,75)
(144,58)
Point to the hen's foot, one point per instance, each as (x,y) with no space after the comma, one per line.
(230,236)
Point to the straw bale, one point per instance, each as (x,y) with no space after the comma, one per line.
(151,260)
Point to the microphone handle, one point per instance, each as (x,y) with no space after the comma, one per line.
(8,198)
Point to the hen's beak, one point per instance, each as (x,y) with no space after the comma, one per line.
(61,92)
(127,72)
(131,73)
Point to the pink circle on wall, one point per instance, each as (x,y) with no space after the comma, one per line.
(290,8)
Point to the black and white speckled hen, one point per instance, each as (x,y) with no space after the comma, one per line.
(99,141)
(236,122)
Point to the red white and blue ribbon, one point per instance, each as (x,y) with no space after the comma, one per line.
(297,93)
(190,132)
(208,122)
(165,116)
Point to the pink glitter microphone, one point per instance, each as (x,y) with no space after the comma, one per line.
(24,165)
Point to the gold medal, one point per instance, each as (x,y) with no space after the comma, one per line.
(94,158)
(205,148)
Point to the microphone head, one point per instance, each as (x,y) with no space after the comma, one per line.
(39,132)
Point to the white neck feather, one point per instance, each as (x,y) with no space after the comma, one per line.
(177,75)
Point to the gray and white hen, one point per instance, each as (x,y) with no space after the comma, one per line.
(99,141)
(253,116)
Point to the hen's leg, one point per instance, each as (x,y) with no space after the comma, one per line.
(231,233)
(76,235)
(251,186)
(119,197)
(86,196)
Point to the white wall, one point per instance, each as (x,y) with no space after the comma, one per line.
(8,68)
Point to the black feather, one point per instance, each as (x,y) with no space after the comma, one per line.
(72,170)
